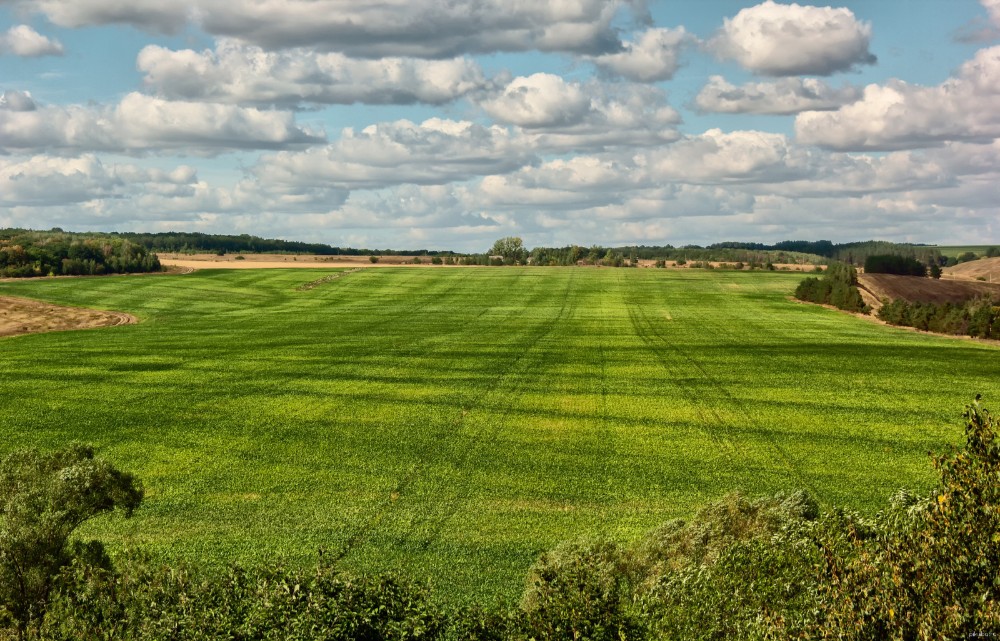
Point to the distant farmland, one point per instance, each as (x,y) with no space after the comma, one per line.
(454,423)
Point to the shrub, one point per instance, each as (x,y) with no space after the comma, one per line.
(44,497)
(580,590)
(928,567)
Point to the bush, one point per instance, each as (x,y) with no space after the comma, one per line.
(580,590)
(928,567)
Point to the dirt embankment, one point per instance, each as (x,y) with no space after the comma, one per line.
(23,316)
(875,287)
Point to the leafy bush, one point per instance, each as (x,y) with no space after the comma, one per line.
(929,567)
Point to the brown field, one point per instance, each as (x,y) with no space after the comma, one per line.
(987,268)
(282,261)
(23,316)
(875,287)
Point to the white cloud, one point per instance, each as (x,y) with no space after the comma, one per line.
(787,40)
(993,10)
(47,180)
(720,157)
(903,116)
(17,101)
(783,96)
(22,40)
(141,124)
(582,181)
(655,55)
(236,73)
(418,28)
(539,100)
(559,116)
(434,152)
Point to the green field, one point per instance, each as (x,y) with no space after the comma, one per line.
(956,251)
(453,423)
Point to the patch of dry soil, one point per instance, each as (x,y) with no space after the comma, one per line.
(925,290)
(22,316)
(986,268)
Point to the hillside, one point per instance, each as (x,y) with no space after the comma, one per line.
(988,268)
(875,287)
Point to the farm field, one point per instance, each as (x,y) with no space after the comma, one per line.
(452,424)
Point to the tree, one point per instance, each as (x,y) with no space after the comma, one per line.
(511,248)
(44,497)
(935,271)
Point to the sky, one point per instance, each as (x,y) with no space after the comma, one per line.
(438,124)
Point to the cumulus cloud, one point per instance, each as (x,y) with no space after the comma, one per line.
(728,157)
(22,40)
(993,10)
(17,101)
(780,97)
(236,73)
(141,124)
(435,151)
(899,115)
(981,29)
(418,28)
(787,40)
(655,55)
(557,115)
(582,181)
(47,180)
(539,100)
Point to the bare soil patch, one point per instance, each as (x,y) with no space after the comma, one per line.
(875,287)
(22,316)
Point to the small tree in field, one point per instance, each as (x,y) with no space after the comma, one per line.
(44,497)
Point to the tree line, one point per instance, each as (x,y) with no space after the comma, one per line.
(26,253)
(777,567)
(979,318)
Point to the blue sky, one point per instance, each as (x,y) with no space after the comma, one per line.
(415,123)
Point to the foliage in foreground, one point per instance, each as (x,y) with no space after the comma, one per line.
(43,499)
(928,567)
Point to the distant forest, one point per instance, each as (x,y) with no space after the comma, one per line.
(193,242)
(57,252)
(26,253)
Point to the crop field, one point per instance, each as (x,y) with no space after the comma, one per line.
(453,423)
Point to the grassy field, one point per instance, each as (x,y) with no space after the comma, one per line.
(453,423)
(956,251)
